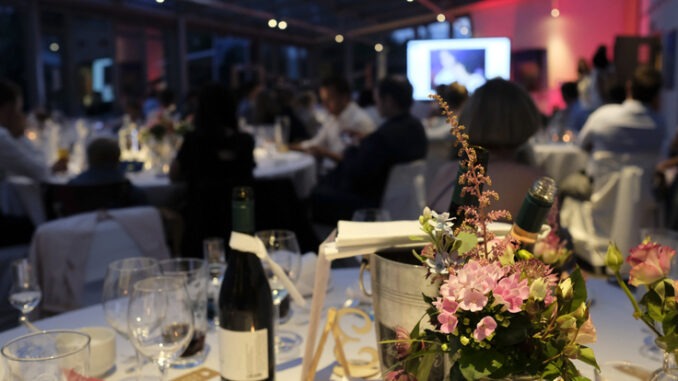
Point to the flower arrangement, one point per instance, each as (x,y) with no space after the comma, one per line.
(650,267)
(500,311)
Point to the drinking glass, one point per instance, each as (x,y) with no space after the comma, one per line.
(283,248)
(213,250)
(193,271)
(25,294)
(121,275)
(47,356)
(160,319)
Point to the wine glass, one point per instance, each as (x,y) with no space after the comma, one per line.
(213,250)
(121,275)
(283,248)
(160,319)
(25,294)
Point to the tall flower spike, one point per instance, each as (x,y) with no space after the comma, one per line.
(476,182)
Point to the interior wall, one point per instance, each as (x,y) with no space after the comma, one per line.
(581,27)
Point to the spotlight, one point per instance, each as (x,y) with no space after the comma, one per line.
(555,12)
(282,25)
(159,1)
(339,38)
(54,47)
(378,47)
(440,17)
(272,23)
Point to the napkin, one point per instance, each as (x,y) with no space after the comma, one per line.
(250,244)
(354,234)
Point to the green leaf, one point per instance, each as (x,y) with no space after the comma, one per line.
(476,365)
(468,241)
(425,365)
(587,356)
(578,288)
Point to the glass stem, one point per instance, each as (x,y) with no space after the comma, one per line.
(276,324)
(163,365)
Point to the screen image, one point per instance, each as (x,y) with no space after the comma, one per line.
(468,61)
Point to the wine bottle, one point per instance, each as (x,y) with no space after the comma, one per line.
(533,212)
(245,306)
(458,201)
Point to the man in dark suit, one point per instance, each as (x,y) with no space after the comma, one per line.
(360,178)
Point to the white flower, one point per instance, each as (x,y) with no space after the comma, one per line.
(441,222)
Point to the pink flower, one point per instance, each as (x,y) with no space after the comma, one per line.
(512,292)
(447,309)
(485,328)
(472,300)
(649,262)
(399,375)
(403,344)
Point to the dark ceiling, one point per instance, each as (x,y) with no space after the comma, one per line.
(309,21)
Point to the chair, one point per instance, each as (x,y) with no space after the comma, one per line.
(616,212)
(63,200)
(405,191)
(71,254)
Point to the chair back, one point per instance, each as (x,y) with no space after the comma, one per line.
(63,200)
(71,254)
(405,193)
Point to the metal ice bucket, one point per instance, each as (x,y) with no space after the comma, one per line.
(398,281)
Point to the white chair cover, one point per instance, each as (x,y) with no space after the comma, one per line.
(618,208)
(71,254)
(405,192)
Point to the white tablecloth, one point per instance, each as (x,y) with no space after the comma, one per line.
(21,196)
(560,159)
(620,337)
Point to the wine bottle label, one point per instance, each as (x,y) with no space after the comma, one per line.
(243,354)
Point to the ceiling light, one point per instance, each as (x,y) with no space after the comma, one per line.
(378,47)
(54,47)
(272,23)
(440,17)
(555,12)
(339,38)
(159,1)
(409,1)
(282,24)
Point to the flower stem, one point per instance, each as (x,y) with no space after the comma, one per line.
(636,308)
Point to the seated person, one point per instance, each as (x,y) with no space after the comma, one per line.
(574,115)
(501,117)
(346,123)
(103,167)
(19,157)
(360,178)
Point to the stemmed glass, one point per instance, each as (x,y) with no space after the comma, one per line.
(283,248)
(121,275)
(25,294)
(160,319)
(213,250)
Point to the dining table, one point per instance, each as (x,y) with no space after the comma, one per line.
(21,196)
(624,349)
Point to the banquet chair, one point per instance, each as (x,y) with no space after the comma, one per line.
(63,200)
(615,213)
(405,191)
(71,254)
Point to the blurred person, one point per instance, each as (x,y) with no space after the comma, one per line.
(584,83)
(367,103)
(359,179)
(213,158)
(248,95)
(18,157)
(501,117)
(602,79)
(304,106)
(634,127)
(573,116)
(345,125)
(103,167)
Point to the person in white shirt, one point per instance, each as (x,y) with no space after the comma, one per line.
(17,157)
(345,125)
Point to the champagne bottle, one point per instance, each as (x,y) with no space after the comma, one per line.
(533,212)
(458,201)
(245,306)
